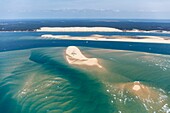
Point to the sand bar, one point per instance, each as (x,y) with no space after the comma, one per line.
(144,39)
(78,29)
(75,57)
(95,29)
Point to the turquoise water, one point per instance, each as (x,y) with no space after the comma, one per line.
(35,76)
(41,81)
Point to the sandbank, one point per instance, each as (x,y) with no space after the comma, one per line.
(144,39)
(78,29)
(75,57)
(94,29)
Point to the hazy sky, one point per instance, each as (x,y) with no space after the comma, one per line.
(146,9)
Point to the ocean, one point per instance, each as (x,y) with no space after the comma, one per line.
(123,24)
(35,76)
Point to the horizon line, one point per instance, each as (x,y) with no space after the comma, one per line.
(83,18)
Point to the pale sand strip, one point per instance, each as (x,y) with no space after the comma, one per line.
(94,29)
(78,29)
(74,56)
(144,39)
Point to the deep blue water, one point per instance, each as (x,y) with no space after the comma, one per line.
(28,39)
(143,47)
(123,24)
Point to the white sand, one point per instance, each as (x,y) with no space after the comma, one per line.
(94,29)
(144,39)
(78,29)
(74,56)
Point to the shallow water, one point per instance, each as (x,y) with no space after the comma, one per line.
(41,81)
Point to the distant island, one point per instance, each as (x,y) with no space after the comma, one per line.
(94,29)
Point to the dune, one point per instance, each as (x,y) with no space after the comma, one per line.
(75,57)
(95,29)
(78,29)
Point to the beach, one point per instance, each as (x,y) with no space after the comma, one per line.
(94,29)
(78,29)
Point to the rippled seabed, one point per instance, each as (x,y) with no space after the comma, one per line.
(41,81)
